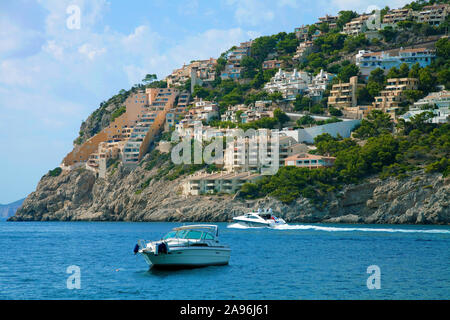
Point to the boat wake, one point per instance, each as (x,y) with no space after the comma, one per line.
(341,229)
(240,226)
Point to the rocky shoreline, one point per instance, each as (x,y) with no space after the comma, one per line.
(78,195)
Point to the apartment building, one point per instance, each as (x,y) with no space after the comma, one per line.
(343,95)
(161,101)
(440,99)
(201,70)
(233,68)
(437,103)
(119,129)
(222,182)
(302,33)
(368,61)
(358,112)
(330,20)
(178,111)
(396,15)
(204,111)
(245,154)
(309,161)
(106,150)
(290,84)
(205,69)
(318,85)
(303,50)
(356,26)
(245,114)
(272,64)
(394,93)
(434,14)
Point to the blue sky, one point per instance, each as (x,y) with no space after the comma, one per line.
(53,77)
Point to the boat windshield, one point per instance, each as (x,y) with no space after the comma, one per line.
(189,234)
(194,235)
(171,234)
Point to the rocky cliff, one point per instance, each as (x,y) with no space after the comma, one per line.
(80,196)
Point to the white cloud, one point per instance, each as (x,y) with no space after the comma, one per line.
(90,51)
(16,40)
(54,49)
(251,12)
(362,5)
(288,3)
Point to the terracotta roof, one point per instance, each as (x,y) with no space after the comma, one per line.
(307,156)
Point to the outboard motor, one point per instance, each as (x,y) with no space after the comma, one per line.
(162,247)
(136,248)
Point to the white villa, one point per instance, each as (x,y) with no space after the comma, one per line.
(290,84)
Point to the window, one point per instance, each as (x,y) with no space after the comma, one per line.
(208,236)
(194,234)
(171,234)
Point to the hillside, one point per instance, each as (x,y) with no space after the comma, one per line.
(78,196)
(390,170)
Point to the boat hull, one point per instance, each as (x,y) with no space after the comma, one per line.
(190,257)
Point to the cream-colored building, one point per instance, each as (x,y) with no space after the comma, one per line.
(310,161)
(434,14)
(356,26)
(222,182)
(394,93)
(247,154)
(396,15)
(343,95)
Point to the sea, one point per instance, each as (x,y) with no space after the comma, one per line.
(95,260)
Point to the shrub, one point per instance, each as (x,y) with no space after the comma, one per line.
(55,172)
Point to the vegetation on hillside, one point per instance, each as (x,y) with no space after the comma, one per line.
(418,144)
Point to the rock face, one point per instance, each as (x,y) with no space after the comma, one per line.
(80,196)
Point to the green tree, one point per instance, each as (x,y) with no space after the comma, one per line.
(276,96)
(443,48)
(200,92)
(280,116)
(150,78)
(377,123)
(347,72)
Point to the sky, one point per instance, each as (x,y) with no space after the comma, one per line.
(54,71)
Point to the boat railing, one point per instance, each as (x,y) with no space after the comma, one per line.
(143,243)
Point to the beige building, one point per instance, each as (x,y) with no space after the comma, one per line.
(356,26)
(343,95)
(272,64)
(117,130)
(397,15)
(309,161)
(245,155)
(358,112)
(202,70)
(394,93)
(303,50)
(330,20)
(161,101)
(434,15)
(217,183)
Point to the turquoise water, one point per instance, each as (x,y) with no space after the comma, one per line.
(301,262)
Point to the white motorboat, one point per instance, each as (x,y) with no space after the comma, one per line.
(262,218)
(186,246)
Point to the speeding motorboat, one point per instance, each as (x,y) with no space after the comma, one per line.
(262,218)
(186,246)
